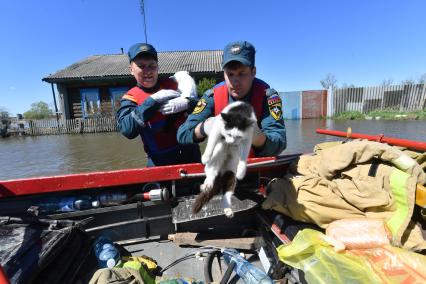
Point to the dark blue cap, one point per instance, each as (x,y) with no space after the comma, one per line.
(139,48)
(241,51)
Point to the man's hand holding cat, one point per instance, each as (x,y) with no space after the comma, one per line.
(174,106)
(164,95)
(258,137)
(206,126)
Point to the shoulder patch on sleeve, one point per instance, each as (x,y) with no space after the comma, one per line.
(209,93)
(201,105)
(275,106)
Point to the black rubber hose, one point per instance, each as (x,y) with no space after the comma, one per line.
(208,265)
(228,273)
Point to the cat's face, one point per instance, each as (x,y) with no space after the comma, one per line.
(233,136)
(236,126)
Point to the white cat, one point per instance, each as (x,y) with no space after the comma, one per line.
(186,84)
(226,153)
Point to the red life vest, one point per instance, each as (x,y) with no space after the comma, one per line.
(159,133)
(258,92)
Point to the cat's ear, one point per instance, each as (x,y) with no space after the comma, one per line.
(225,116)
(251,121)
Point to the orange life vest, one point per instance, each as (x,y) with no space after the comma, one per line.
(159,133)
(258,92)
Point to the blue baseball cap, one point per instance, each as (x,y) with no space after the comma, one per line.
(241,51)
(139,48)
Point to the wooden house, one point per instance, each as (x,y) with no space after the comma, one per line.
(94,86)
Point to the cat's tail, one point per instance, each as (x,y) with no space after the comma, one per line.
(205,196)
(221,183)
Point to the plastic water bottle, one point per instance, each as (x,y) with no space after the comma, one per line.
(106,253)
(47,206)
(112,198)
(65,204)
(249,273)
(69,204)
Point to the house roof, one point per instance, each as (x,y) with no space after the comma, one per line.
(117,65)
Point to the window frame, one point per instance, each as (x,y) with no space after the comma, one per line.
(111,91)
(84,91)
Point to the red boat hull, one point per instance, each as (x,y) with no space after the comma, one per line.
(62,183)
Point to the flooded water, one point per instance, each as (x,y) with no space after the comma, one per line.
(56,155)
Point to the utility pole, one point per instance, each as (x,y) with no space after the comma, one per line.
(142,6)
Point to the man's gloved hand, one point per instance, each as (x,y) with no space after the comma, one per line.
(164,95)
(174,106)
(207,126)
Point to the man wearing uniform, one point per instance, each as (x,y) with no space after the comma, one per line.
(240,84)
(154,110)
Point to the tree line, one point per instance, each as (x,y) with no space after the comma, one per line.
(331,81)
(38,110)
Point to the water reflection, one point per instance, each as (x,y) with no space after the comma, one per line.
(54,155)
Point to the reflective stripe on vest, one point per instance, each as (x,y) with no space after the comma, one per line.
(159,134)
(398,182)
(221,100)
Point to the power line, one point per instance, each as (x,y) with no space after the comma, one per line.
(142,6)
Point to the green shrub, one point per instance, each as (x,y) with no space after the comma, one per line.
(385,113)
(350,115)
(394,114)
(420,114)
(39,110)
(204,85)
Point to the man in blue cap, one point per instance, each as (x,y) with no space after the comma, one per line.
(142,111)
(240,85)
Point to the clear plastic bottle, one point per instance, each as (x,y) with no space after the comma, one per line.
(47,206)
(249,273)
(106,253)
(112,198)
(85,202)
(65,204)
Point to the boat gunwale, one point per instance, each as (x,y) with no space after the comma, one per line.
(91,180)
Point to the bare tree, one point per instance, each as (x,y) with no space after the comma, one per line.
(409,81)
(346,86)
(329,81)
(386,82)
(4,113)
(422,79)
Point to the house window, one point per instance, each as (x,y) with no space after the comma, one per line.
(116,94)
(91,105)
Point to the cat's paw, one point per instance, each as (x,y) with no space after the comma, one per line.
(241,170)
(204,159)
(228,212)
(206,186)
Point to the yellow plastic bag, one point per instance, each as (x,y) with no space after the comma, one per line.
(321,264)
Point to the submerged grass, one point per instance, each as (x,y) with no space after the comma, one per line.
(397,115)
(350,115)
(387,114)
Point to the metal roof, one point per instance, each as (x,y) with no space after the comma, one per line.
(117,65)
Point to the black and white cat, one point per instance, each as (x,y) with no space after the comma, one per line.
(226,153)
